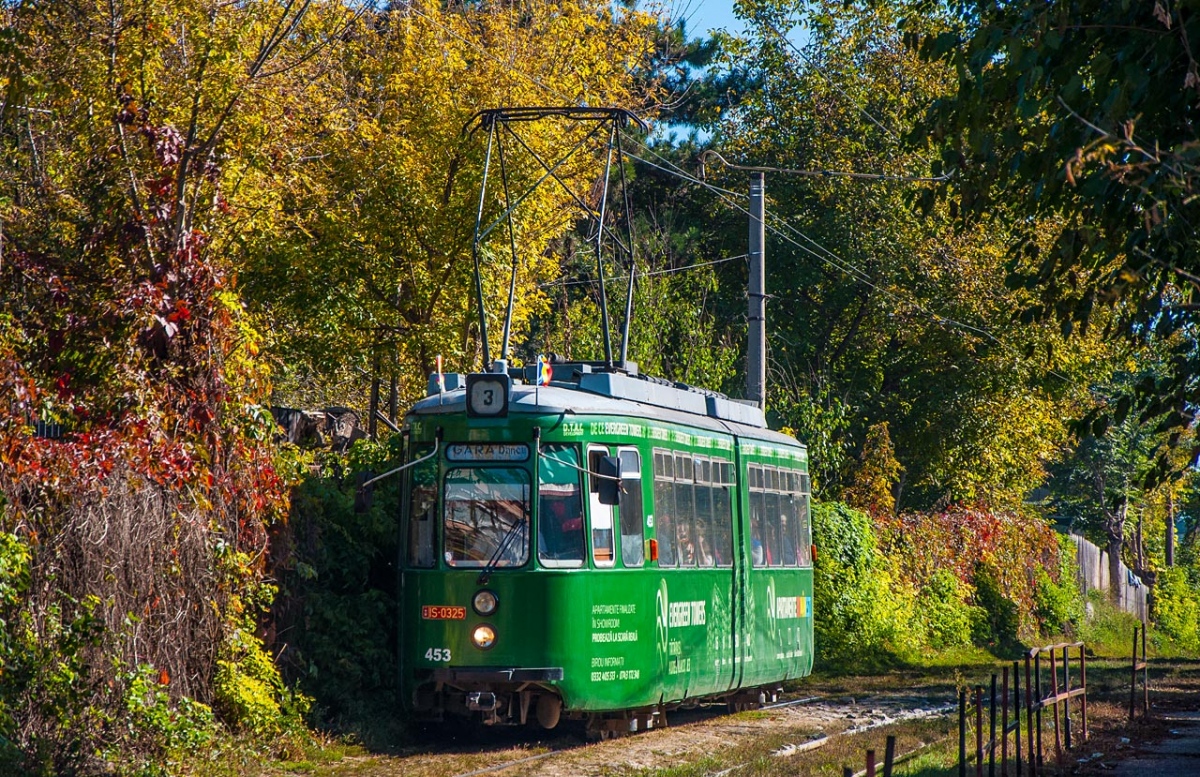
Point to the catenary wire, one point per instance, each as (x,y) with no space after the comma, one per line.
(800,52)
(827,256)
(695,266)
(824,255)
(823,173)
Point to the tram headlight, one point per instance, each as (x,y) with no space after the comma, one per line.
(485,603)
(484,636)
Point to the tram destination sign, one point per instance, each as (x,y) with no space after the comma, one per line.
(487,452)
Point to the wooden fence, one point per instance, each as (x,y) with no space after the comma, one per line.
(1057,700)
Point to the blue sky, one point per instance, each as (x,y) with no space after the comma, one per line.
(705,15)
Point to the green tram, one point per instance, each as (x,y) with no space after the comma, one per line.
(605,547)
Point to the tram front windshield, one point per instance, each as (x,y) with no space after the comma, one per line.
(487,517)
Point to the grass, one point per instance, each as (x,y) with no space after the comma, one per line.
(930,744)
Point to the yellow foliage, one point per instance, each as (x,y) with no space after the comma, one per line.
(371,266)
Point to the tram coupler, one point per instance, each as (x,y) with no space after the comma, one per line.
(481,701)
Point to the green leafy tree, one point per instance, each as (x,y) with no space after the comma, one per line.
(877,474)
(1074,124)
(876,315)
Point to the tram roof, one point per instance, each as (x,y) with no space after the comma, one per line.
(617,394)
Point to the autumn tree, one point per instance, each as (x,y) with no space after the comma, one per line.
(138,475)
(374,272)
(877,474)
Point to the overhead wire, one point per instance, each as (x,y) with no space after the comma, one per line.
(649,273)
(824,254)
(823,173)
(829,257)
(820,252)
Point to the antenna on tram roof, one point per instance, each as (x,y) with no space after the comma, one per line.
(499,125)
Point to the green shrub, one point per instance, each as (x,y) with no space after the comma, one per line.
(249,691)
(1176,609)
(156,735)
(1000,625)
(337,600)
(44,672)
(945,615)
(860,614)
(1059,605)
(1107,630)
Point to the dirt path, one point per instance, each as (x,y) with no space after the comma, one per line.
(693,736)
(1176,756)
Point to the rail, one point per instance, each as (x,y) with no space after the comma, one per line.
(1035,704)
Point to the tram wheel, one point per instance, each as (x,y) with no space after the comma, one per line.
(602,729)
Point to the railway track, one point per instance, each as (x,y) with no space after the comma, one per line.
(708,728)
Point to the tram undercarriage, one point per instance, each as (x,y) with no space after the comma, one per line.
(515,698)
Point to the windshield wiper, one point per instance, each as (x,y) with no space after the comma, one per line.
(486,573)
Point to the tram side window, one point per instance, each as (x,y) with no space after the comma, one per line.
(788,518)
(803,530)
(758,548)
(630,508)
(664,508)
(722,515)
(422,509)
(560,507)
(772,519)
(704,514)
(685,539)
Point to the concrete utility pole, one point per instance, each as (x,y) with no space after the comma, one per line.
(1171,529)
(756,356)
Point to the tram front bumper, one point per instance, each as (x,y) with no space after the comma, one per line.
(493,674)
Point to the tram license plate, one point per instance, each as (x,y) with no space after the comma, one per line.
(443,612)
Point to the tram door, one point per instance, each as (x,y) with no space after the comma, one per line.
(600,516)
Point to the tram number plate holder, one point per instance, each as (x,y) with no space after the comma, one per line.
(443,612)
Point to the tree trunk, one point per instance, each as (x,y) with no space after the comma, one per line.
(1114,568)
(1115,527)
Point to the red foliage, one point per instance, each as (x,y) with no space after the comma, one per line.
(1013,545)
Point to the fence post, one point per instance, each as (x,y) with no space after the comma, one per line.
(1083,696)
(889,755)
(1029,716)
(1003,726)
(992,729)
(1016,667)
(1037,693)
(979,731)
(870,763)
(1133,676)
(962,733)
(1067,690)
(1058,754)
